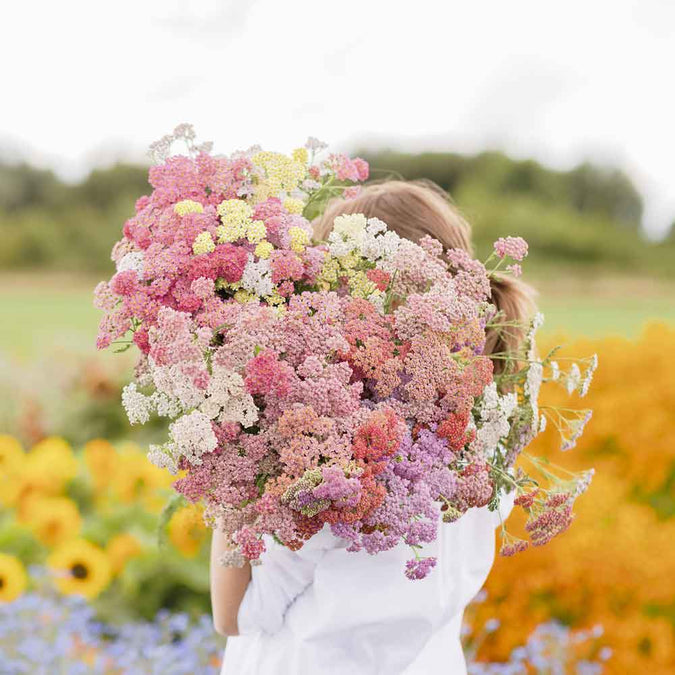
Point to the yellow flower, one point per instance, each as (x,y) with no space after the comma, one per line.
(13,578)
(11,453)
(46,468)
(12,461)
(256,231)
(53,520)
(80,568)
(136,479)
(100,458)
(300,155)
(187,530)
(187,206)
(294,205)
(203,243)
(360,286)
(275,298)
(56,456)
(120,549)
(299,238)
(243,296)
(263,249)
(234,212)
(282,173)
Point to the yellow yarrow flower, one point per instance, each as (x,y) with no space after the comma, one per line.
(360,286)
(264,249)
(243,296)
(349,261)
(330,271)
(187,206)
(80,568)
(256,231)
(122,548)
(187,530)
(53,520)
(299,239)
(203,243)
(275,298)
(281,173)
(13,578)
(234,211)
(294,205)
(301,155)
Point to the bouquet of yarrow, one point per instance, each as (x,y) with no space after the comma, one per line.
(311,383)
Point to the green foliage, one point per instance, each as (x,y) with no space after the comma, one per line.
(588,217)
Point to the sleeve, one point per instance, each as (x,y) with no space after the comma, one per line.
(276,583)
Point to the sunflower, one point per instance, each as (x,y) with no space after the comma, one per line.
(187,530)
(80,568)
(11,453)
(53,520)
(120,549)
(137,480)
(12,460)
(100,458)
(45,471)
(56,454)
(13,578)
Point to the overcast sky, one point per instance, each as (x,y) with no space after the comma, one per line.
(85,83)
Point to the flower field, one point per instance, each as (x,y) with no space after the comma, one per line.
(86,508)
(614,565)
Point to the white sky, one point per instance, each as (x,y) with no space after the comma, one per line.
(85,83)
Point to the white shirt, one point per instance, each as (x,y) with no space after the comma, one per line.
(322,610)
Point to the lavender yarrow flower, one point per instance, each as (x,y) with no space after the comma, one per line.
(419,568)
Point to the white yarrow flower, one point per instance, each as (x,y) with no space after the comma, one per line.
(132,261)
(193,436)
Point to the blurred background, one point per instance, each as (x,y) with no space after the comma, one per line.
(549,122)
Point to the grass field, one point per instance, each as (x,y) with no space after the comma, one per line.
(40,312)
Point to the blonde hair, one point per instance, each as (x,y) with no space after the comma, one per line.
(413,209)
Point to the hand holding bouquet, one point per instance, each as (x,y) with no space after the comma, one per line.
(342,382)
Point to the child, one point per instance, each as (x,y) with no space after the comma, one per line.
(322,610)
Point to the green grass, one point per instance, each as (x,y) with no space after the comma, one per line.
(41,313)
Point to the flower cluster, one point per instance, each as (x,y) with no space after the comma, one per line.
(42,632)
(343,383)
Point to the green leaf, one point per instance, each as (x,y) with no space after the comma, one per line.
(175,503)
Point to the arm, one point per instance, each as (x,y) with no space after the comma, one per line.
(228,586)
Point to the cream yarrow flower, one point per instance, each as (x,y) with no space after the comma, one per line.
(351,225)
(186,206)
(256,231)
(299,239)
(264,249)
(203,243)
(301,155)
(293,205)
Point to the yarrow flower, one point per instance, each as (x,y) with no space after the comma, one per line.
(511,247)
(344,382)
